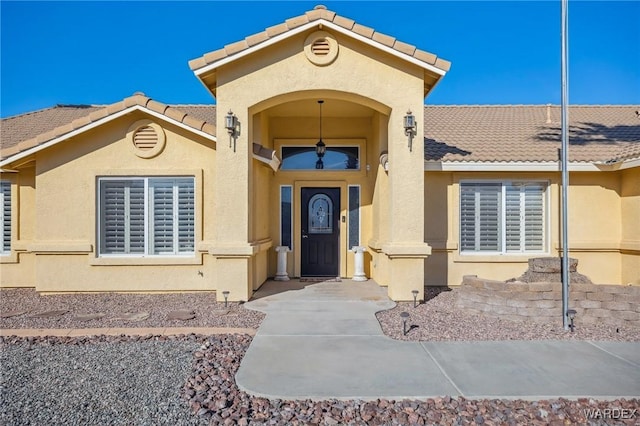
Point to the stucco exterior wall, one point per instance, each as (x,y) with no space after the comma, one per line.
(630,209)
(65,214)
(247,87)
(602,208)
(18,268)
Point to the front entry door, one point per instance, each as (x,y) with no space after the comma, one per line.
(320,232)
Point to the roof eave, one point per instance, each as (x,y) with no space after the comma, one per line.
(209,69)
(93,124)
(521,166)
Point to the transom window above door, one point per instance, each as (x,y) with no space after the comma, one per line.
(335,158)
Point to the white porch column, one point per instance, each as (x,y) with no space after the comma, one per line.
(281,273)
(359,263)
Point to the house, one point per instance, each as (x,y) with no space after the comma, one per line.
(144,196)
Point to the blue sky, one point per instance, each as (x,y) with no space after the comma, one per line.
(505,52)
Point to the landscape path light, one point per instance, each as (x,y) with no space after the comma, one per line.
(415,297)
(571,313)
(405,317)
(226,296)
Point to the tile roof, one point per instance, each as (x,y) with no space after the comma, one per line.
(476,133)
(319,12)
(530,133)
(26,131)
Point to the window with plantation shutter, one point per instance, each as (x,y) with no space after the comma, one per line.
(122,216)
(5,217)
(502,217)
(147,216)
(524,219)
(480,217)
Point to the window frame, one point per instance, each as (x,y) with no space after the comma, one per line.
(358,214)
(504,183)
(313,169)
(291,210)
(148,232)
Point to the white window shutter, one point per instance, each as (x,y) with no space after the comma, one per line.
(534,217)
(480,217)
(514,219)
(161,223)
(497,217)
(5,216)
(186,216)
(147,216)
(122,225)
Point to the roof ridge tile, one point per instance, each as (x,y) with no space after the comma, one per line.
(319,13)
(296,21)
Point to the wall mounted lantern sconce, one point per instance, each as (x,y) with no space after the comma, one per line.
(232,125)
(321,148)
(410,128)
(571,313)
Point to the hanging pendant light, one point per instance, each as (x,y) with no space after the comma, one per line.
(320,146)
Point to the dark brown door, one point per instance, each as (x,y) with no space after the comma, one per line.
(320,232)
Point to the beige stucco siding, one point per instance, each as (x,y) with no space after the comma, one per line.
(65,239)
(602,206)
(630,209)
(17,269)
(595,225)
(255,87)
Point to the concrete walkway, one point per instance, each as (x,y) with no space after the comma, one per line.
(323,341)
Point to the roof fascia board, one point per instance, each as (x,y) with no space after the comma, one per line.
(524,166)
(629,164)
(319,22)
(98,123)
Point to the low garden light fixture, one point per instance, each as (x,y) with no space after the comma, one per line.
(410,128)
(226,296)
(405,318)
(571,313)
(415,297)
(232,125)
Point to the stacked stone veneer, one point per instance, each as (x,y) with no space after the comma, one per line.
(542,301)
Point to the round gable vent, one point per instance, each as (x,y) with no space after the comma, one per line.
(321,48)
(147,138)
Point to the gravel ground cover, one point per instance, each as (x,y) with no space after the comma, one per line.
(189,380)
(184,380)
(438,319)
(95,381)
(208,312)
